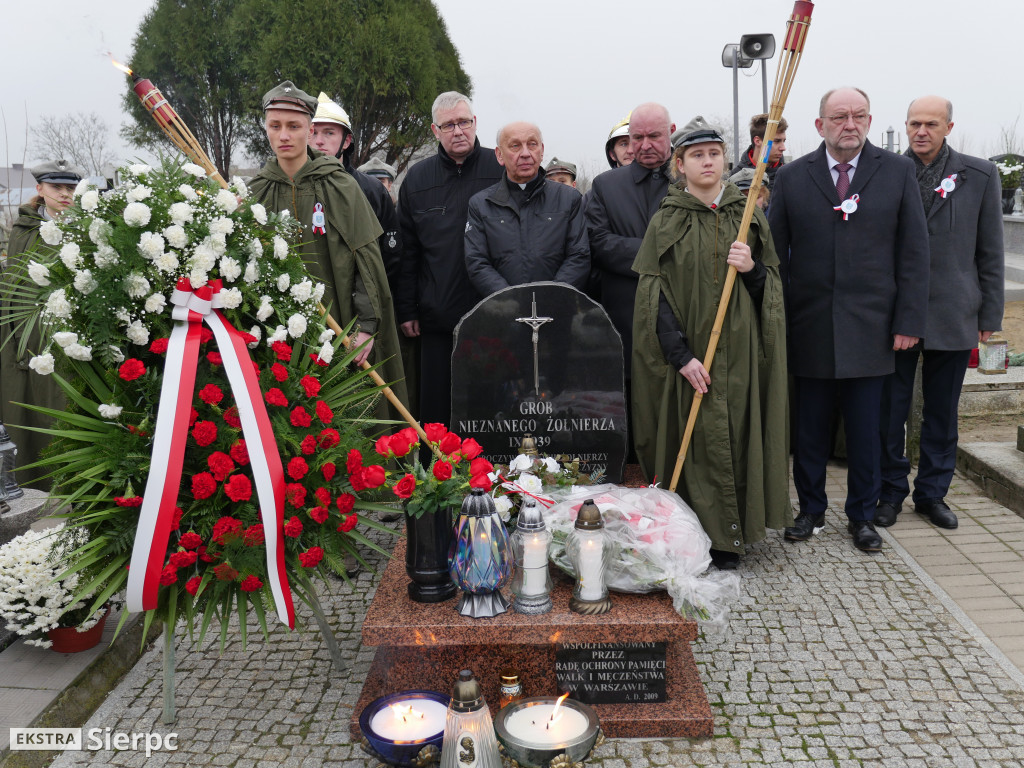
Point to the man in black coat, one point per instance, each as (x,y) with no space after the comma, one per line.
(434,290)
(963,206)
(850,231)
(525,228)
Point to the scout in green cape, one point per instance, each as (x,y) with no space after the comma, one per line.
(737,476)
(340,231)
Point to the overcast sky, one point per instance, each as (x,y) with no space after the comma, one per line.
(576,67)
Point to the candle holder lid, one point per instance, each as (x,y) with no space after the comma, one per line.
(467,695)
(531,518)
(509,676)
(589,517)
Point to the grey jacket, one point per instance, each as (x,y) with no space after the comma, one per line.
(545,239)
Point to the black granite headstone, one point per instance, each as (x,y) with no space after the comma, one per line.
(612,673)
(541,359)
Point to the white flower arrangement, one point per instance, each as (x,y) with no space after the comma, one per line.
(33,597)
(137,214)
(50,232)
(70,254)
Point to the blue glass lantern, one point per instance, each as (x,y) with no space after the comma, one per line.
(480,559)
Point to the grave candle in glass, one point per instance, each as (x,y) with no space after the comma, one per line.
(469,740)
(398,727)
(537,730)
(589,550)
(480,558)
(531,582)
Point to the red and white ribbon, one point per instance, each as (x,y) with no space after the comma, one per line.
(319,219)
(848,206)
(190,309)
(947,185)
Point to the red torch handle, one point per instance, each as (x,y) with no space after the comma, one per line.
(797,33)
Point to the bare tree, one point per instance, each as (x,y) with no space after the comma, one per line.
(83,139)
(1010,141)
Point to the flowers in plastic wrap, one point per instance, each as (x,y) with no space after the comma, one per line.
(660,545)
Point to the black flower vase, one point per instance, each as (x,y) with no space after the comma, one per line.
(428,538)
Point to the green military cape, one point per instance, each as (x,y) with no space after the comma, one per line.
(348,247)
(19,384)
(736,473)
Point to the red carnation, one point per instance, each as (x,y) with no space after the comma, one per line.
(250,584)
(295,495)
(128,501)
(435,432)
(293,528)
(349,523)
(193,417)
(319,514)
(373,476)
(214,358)
(316,359)
(203,485)
(297,468)
(207,556)
(275,396)
(354,461)
(247,338)
(231,417)
(192,585)
(322,495)
(311,557)
(190,540)
(311,385)
(211,394)
(226,529)
(324,412)
(239,452)
(382,446)
(253,535)
(442,470)
(329,469)
(308,445)
(403,488)
(481,481)
(238,488)
(345,503)
(168,576)
(182,559)
(300,417)
(471,448)
(205,334)
(480,466)
(176,518)
(400,443)
(282,350)
(136,431)
(205,432)
(225,572)
(279,372)
(131,369)
(329,438)
(450,443)
(159,346)
(220,465)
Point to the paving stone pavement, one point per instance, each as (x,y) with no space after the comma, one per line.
(832,658)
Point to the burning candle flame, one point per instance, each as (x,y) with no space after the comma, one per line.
(405,712)
(556,713)
(120,66)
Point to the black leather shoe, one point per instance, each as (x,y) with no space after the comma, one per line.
(865,537)
(938,512)
(885,513)
(725,561)
(805,526)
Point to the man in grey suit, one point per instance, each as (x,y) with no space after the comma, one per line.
(851,235)
(963,207)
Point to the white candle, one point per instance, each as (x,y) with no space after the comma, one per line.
(535,563)
(409,720)
(590,575)
(534,726)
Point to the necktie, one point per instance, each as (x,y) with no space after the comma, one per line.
(843,182)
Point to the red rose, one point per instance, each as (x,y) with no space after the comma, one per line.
(311,385)
(192,585)
(450,443)
(131,369)
(282,350)
(176,518)
(205,334)
(168,576)
(225,572)
(297,468)
(190,540)
(382,445)
(373,476)
(205,432)
(349,523)
(279,372)
(159,346)
(322,495)
(253,535)
(319,514)
(403,488)
(345,503)
(203,485)
(480,466)
(211,394)
(239,452)
(435,432)
(293,528)
(471,448)
(354,462)
(300,417)
(329,438)
(251,584)
(220,465)
(481,481)
(226,529)
(275,396)
(409,434)
(316,359)
(311,557)
(329,469)
(324,412)
(442,470)
(182,559)
(231,417)
(214,358)
(400,444)
(295,495)
(193,417)
(128,501)
(308,445)
(238,488)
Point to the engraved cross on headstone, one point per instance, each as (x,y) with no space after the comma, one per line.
(535,323)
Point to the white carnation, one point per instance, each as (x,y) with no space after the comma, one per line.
(156,303)
(204,257)
(230,269)
(280,334)
(50,233)
(280,247)
(218,243)
(82,186)
(283,281)
(327,352)
(188,192)
(140,169)
(151,245)
(39,273)
(296,325)
(65,338)
(252,272)
(42,364)
(503,507)
(99,231)
(231,298)
(122,315)
(198,278)
(57,304)
(110,411)
(135,285)
(255,248)
(259,213)
(90,200)
(285,214)
(239,184)
(84,282)
(166,261)
(141,192)
(196,170)
(137,214)
(181,213)
(226,200)
(302,291)
(258,333)
(105,256)
(115,353)
(327,335)
(137,333)
(70,254)
(318,292)
(222,225)
(78,352)
(265,310)
(176,236)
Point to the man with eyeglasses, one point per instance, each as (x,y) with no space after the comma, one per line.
(851,235)
(434,289)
